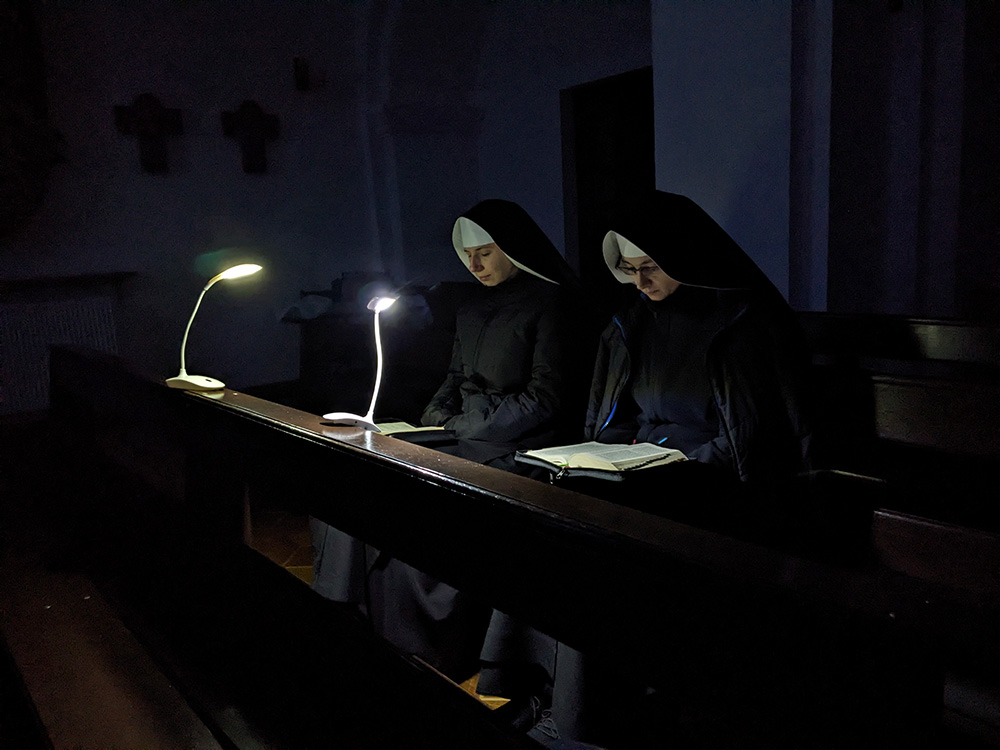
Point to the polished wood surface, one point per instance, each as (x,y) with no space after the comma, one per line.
(377,487)
(398,513)
(657,597)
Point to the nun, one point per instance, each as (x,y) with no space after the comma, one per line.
(512,376)
(514,382)
(707,359)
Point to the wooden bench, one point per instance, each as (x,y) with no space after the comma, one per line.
(909,437)
(156,512)
(893,394)
(917,404)
(800,647)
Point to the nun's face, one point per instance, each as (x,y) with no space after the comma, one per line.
(648,277)
(489,264)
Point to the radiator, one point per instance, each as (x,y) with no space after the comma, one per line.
(28,328)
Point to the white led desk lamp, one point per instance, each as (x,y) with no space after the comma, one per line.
(203,382)
(376,305)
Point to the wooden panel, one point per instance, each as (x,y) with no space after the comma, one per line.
(888,337)
(939,552)
(961,418)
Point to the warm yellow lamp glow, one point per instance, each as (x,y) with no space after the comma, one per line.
(244,269)
(203,382)
(376,305)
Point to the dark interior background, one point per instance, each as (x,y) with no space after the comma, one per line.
(850,148)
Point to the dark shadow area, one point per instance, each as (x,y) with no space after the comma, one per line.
(257,656)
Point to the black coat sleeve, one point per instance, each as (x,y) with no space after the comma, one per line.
(609,416)
(762,390)
(510,417)
(447,401)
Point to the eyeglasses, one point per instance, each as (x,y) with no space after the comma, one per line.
(628,270)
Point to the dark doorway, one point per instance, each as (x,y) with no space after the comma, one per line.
(608,158)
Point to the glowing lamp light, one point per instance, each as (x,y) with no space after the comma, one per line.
(236,272)
(376,305)
(203,382)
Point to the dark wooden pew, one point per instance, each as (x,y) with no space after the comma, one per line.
(910,405)
(916,403)
(156,520)
(791,650)
(893,393)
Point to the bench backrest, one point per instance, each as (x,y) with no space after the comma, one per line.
(916,402)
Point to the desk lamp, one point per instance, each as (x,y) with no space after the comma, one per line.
(376,305)
(202,382)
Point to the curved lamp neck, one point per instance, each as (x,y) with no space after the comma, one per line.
(378,369)
(194,312)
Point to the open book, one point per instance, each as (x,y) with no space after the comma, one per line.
(391,428)
(601,457)
(416,434)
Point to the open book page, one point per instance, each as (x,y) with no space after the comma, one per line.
(609,457)
(388,428)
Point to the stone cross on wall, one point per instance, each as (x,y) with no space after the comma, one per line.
(151,123)
(251,127)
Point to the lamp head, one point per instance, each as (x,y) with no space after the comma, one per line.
(380,304)
(202,382)
(243,269)
(235,272)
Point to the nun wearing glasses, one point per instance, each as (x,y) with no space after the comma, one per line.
(708,358)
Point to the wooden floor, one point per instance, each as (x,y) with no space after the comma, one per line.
(284,539)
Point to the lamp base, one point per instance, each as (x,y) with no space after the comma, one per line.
(346,418)
(195,383)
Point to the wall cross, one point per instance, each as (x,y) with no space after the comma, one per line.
(252,128)
(151,123)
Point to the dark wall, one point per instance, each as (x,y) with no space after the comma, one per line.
(722,82)
(914,171)
(850,148)
(413,112)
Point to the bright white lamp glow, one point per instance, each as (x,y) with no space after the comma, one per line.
(203,382)
(376,305)
(380,304)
